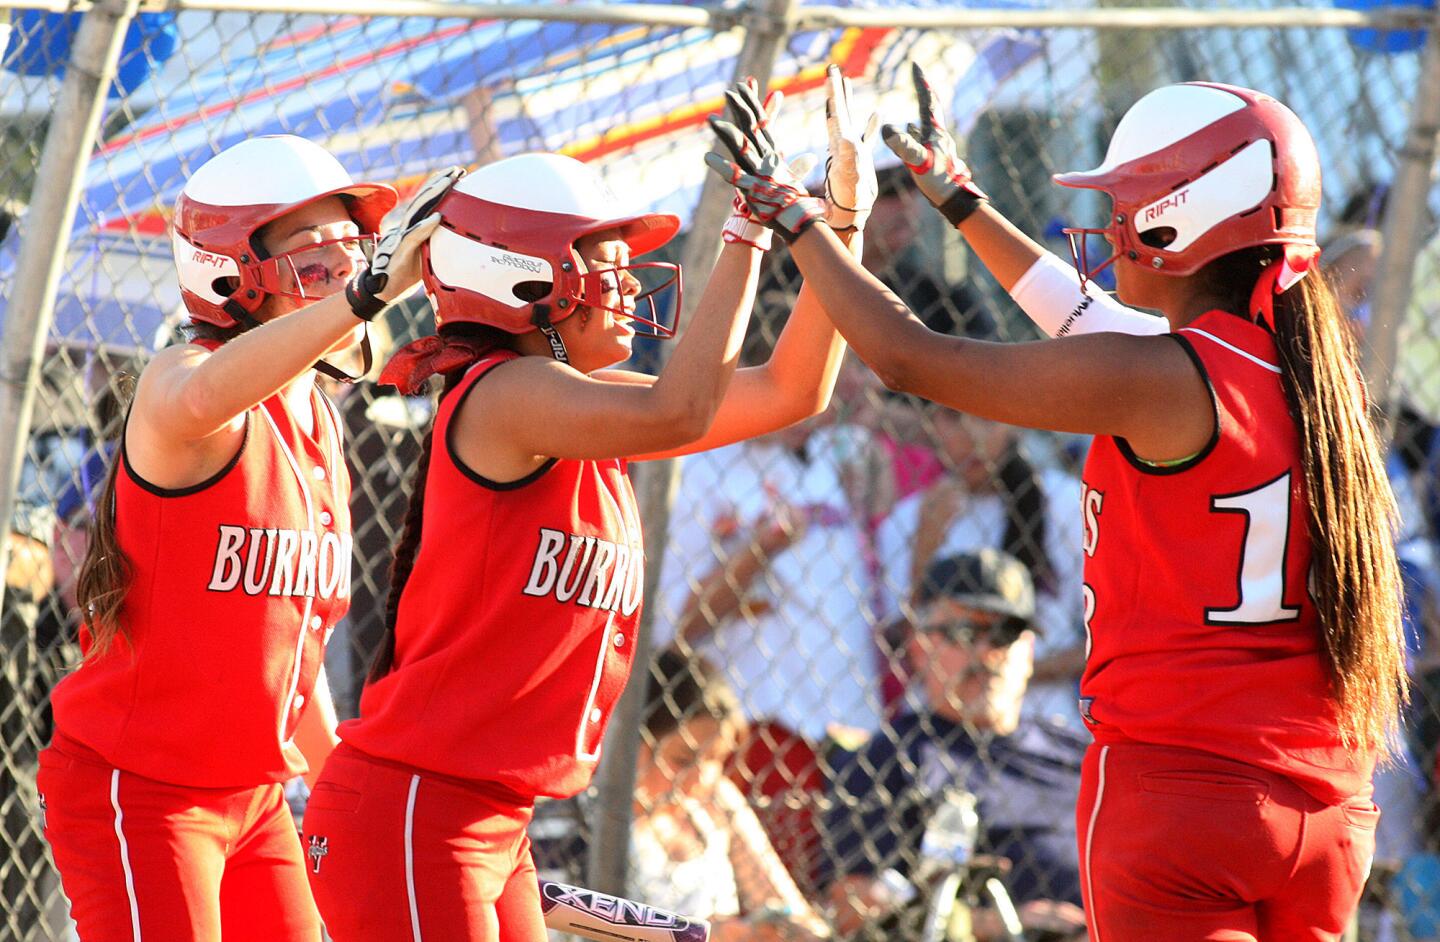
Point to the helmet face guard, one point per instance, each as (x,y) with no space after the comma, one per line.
(223,278)
(1079,241)
(289,274)
(657,278)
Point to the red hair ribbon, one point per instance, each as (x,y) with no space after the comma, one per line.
(1277,278)
(413,364)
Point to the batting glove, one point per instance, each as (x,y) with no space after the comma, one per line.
(771,191)
(850,183)
(397,254)
(928,152)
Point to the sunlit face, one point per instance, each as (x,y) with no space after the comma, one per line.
(595,335)
(967,670)
(309,266)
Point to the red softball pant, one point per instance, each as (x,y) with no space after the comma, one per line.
(400,855)
(141,859)
(1182,845)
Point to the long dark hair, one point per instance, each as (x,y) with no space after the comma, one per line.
(487,340)
(104,576)
(1353,520)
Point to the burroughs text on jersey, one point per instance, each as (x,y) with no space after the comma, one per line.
(589,570)
(279,561)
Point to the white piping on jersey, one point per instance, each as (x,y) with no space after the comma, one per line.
(309,600)
(580,750)
(336,435)
(125,855)
(1090,847)
(410,858)
(1232,348)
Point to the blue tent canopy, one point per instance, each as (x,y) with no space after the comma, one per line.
(395,98)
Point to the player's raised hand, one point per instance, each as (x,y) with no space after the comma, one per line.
(395,267)
(850,183)
(772,191)
(928,152)
(747,137)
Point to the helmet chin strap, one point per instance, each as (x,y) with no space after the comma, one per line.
(541,319)
(367,355)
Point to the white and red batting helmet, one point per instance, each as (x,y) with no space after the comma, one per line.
(225,275)
(504,254)
(1200,170)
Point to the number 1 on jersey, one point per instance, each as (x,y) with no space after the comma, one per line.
(1262,555)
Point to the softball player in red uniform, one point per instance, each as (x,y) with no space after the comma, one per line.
(219,563)
(518,583)
(1242,597)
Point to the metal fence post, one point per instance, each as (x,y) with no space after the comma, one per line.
(766,27)
(1404,225)
(46,231)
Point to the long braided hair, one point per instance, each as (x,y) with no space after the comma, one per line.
(481,340)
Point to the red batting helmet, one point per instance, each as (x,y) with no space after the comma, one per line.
(504,253)
(225,275)
(1199,170)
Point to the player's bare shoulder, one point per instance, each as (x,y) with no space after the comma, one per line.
(160,445)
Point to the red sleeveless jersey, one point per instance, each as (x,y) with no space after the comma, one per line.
(1202,632)
(235,585)
(515,632)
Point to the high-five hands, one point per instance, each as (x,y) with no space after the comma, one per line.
(928,152)
(850,183)
(772,193)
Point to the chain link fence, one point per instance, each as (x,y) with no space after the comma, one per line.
(780,761)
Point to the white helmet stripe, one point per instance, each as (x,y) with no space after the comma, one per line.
(460,262)
(1165,117)
(1238,184)
(199,269)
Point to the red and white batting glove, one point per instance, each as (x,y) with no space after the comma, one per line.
(743,227)
(771,193)
(928,152)
(782,207)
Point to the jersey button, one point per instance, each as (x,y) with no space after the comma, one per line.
(318,473)
(299,700)
(619,640)
(325,518)
(595,715)
(315,622)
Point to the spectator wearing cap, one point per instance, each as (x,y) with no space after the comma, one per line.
(973,642)
(995,495)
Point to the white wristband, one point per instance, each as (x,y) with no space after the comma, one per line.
(1049,292)
(740,229)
